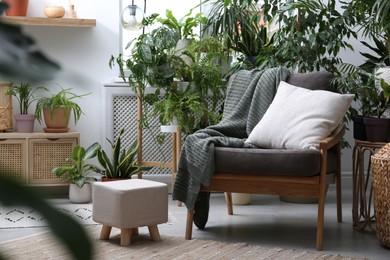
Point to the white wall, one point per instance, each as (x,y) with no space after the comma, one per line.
(84,53)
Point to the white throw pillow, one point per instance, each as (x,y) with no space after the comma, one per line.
(299,118)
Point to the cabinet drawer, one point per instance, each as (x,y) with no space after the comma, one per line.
(44,154)
(13,159)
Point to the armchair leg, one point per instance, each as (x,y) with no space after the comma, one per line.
(338,185)
(229,203)
(320,221)
(190,219)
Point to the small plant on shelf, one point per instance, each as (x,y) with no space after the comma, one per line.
(24,93)
(57,108)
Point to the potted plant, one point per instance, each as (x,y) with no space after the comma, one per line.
(25,96)
(239,23)
(121,165)
(56,110)
(79,172)
(154,61)
(372,101)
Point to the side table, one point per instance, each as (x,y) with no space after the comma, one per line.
(362,191)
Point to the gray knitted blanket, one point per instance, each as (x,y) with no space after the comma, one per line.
(248,97)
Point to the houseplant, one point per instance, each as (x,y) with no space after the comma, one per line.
(25,96)
(155,61)
(372,100)
(79,172)
(122,164)
(316,31)
(56,110)
(239,23)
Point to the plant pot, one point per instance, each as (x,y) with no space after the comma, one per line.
(77,195)
(56,121)
(359,129)
(16,7)
(378,129)
(24,123)
(241,198)
(171,128)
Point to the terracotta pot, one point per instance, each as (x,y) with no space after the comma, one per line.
(56,121)
(24,123)
(16,7)
(378,129)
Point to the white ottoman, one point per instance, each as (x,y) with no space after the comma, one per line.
(130,204)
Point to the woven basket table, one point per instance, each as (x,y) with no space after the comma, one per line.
(381,183)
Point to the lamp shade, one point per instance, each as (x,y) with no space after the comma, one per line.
(132,17)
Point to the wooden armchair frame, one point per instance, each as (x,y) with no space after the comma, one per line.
(314,186)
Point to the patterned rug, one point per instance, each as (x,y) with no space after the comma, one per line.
(16,217)
(45,246)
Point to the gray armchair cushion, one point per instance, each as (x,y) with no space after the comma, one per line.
(282,162)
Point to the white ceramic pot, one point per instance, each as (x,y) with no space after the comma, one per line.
(171,128)
(241,198)
(77,195)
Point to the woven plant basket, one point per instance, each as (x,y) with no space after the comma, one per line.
(381,183)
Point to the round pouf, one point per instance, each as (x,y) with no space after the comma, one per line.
(130,204)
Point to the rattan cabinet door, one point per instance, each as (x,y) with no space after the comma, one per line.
(44,154)
(13,159)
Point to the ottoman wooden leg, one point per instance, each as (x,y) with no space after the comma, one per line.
(154,234)
(126,236)
(105,232)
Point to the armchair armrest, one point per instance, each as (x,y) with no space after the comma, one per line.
(334,138)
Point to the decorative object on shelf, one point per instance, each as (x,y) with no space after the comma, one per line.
(24,93)
(132,16)
(16,7)
(122,164)
(71,13)
(54,11)
(57,109)
(79,172)
(5,107)
(380,181)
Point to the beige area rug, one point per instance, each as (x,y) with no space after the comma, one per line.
(44,246)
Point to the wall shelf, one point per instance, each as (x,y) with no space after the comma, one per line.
(43,21)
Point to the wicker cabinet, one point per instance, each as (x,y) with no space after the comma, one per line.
(29,157)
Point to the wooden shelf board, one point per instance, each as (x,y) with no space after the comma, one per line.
(43,21)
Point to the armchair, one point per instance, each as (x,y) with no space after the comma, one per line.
(281,171)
